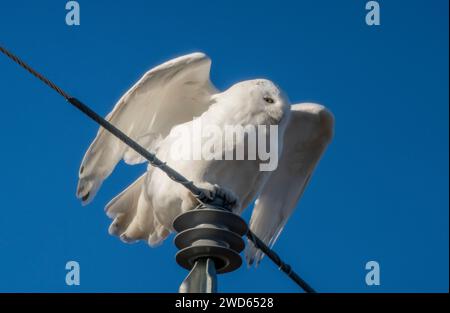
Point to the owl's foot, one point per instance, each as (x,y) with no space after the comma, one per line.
(216,195)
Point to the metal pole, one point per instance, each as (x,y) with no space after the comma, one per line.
(201,279)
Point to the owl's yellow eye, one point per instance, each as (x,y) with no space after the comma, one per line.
(268,100)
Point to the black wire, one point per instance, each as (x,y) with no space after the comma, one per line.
(33,72)
(153,160)
(284,267)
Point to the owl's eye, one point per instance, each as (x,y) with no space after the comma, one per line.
(268,100)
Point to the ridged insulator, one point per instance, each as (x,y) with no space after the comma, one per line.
(210,232)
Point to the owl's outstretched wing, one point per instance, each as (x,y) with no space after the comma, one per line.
(169,94)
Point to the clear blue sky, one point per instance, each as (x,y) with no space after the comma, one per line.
(380,192)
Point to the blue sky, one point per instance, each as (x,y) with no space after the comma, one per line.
(380,192)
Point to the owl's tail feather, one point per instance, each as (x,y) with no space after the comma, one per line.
(133,216)
(123,208)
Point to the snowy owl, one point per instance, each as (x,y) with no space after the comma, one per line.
(171,99)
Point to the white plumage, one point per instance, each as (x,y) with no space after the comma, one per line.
(166,101)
